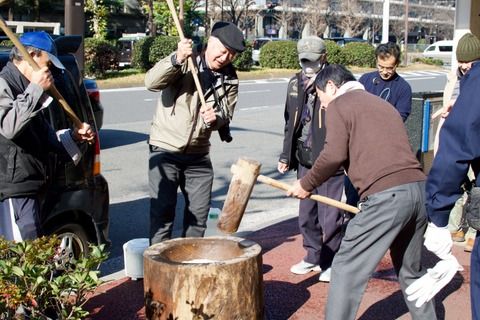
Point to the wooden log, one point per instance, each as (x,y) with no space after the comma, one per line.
(204,278)
(245,173)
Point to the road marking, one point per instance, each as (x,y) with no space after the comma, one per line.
(424,78)
(124,89)
(255,91)
(259,107)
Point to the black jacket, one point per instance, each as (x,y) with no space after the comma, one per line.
(294,105)
(25,136)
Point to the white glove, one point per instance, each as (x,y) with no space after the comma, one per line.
(425,288)
(438,240)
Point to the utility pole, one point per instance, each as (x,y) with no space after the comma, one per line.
(206,24)
(75,25)
(405,41)
(386,20)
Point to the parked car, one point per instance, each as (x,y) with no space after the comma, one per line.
(258,43)
(75,205)
(341,41)
(442,50)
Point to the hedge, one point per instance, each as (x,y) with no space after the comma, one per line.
(334,53)
(161,47)
(141,52)
(359,54)
(100,56)
(243,61)
(279,54)
(283,54)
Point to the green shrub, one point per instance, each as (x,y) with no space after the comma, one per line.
(359,54)
(334,53)
(431,61)
(243,61)
(422,41)
(31,283)
(279,55)
(161,47)
(100,56)
(141,52)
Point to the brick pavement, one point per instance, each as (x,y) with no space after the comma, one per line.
(289,296)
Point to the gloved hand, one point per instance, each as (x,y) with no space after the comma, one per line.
(438,240)
(425,288)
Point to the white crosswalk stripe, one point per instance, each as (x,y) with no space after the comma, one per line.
(415,74)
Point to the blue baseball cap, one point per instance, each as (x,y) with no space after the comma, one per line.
(42,40)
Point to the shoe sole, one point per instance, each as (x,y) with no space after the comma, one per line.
(314,269)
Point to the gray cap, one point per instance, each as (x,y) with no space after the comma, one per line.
(310,48)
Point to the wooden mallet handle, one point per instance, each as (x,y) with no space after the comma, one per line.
(191,63)
(53,90)
(326,200)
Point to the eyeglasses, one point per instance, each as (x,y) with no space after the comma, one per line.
(384,68)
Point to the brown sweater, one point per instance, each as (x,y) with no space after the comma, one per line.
(367,136)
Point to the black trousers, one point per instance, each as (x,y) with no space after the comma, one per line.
(321,224)
(168,171)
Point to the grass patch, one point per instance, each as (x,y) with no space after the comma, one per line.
(122,79)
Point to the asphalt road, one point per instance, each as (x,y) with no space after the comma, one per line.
(257,131)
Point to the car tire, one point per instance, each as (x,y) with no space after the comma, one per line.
(73,243)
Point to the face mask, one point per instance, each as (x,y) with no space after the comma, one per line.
(310,68)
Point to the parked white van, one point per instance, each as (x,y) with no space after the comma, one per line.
(442,50)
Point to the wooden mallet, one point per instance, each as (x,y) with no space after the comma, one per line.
(245,173)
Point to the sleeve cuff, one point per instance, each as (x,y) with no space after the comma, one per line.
(174,60)
(65,137)
(440,218)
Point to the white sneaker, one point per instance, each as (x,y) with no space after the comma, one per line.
(304,267)
(325,275)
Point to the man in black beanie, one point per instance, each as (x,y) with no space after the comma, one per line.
(181,128)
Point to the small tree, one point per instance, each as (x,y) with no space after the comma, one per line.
(34,286)
(99,20)
(318,15)
(160,19)
(351,22)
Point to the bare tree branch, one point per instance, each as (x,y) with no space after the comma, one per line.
(351,23)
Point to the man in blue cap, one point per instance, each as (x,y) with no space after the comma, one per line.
(26,137)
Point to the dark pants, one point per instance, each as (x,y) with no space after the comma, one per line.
(475,279)
(193,173)
(20,219)
(320,224)
(393,219)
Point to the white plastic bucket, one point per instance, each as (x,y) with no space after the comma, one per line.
(133,257)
